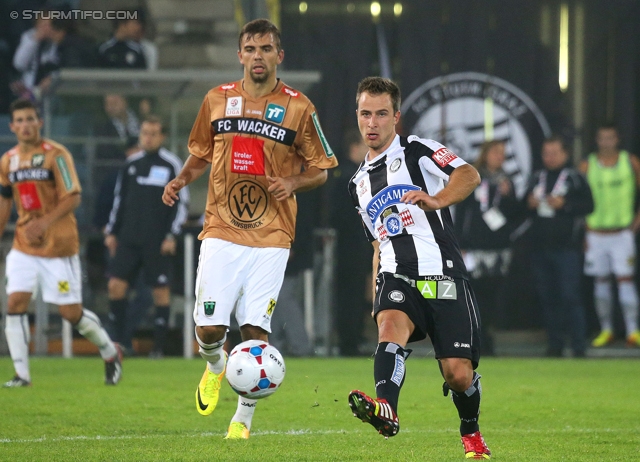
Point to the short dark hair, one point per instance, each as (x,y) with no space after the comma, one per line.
(380,86)
(555,138)
(154,119)
(608,126)
(260,27)
(22,103)
(133,14)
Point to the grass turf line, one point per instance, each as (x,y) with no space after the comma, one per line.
(533,409)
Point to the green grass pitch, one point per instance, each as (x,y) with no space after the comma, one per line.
(532,410)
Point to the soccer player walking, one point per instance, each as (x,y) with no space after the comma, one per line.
(264,143)
(40,175)
(402,191)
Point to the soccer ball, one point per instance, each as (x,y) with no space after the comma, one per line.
(255,369)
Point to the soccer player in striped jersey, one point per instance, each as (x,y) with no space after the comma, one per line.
(402,191)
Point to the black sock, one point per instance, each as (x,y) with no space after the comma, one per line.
(389,371)
(118,317)
(160,326)
(468,405)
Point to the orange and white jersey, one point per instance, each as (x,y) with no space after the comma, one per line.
(246,140)
(39,180)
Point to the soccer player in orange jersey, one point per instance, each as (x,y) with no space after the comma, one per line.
(264,144)
(40,177)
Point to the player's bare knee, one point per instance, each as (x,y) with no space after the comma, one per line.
(71,313)
(250,332)
(117,288)
(457,373)
(211,334)
(18,302)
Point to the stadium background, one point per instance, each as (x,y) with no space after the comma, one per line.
(336,44)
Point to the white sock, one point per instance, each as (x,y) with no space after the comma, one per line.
(213,354)
(603,304)
(18,338)
(245,410)
(629,303)
(91,329)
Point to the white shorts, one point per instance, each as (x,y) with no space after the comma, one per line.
(58,278)
(610,253)
(236,276)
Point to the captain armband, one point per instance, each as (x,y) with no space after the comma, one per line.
(6,191)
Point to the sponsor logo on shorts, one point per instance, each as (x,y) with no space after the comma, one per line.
(396,296)
(209,308)
(271,306)
(63,287)
(395,165)
(444,290)
(275,113)
(248,202)
(461,345)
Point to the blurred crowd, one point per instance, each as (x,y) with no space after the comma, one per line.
(39,42)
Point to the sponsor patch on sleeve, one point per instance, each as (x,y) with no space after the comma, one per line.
(64,171)
(247,155)
(443,157)
(325,144)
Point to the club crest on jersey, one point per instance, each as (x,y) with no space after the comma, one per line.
(392,224)
(444,157)
(405,218)
(389,196)
(234,107)
(395,165)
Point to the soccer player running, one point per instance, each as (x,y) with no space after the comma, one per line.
(402,191)
(40,175)
(264,143)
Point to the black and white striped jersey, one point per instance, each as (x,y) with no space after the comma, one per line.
(412,242)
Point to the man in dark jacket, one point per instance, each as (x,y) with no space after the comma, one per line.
(141,231)
(558,198)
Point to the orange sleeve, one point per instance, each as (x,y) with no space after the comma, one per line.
(314,147)
(64,172)
(4,180)
(201,139)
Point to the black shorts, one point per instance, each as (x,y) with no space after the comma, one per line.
(129,259)
(449,316)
